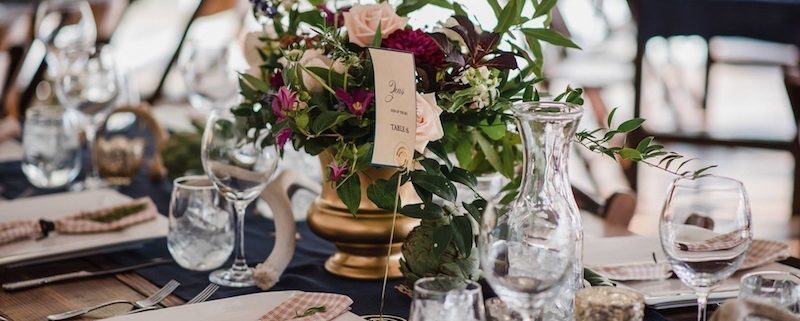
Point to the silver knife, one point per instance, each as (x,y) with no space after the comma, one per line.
(13,286)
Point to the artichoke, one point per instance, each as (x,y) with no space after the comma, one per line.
(419,259)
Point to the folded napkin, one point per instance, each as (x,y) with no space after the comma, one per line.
(103,220)
(310,307)
(761,252)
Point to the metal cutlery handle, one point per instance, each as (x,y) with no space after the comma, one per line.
(75,313)
(43,281)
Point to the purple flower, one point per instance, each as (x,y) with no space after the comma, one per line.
(284,100)
(337,171)
(283,136)
(356,101)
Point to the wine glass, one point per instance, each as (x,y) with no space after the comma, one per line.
(51,147)
(777,288)
(201,232)
(210,80)
(90,86)
(705,232)
(526,253)
(447,299)
(64,26)
(240,161)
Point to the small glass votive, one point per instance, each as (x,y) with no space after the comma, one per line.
(605,303)
(781,289)
(447,299)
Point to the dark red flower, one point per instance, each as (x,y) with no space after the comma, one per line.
(333,18)
(426,51)
(357,100)
(276,80)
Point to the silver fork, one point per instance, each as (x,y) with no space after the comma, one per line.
(200,297)
(152,300)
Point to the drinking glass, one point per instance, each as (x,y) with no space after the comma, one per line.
(781,289)
(91,87)
(239,162)
(526,253)
(201,231)
(51,147)
(447,299)
(210,80)
(62,26)
(705,232)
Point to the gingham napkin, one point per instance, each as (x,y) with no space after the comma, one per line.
(761,252)
(83,222)
(310,307)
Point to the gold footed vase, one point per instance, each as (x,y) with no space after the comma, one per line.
(362,241)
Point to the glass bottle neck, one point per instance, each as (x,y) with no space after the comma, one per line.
(547,148)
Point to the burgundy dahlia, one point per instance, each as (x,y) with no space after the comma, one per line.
(426,51)
(276,80)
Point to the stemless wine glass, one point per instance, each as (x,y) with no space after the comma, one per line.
(239,161)
(705,232)
(51,147)
(526,253)
(64,25)
(90,86)
(201,231)
(210,80)
(780,289)
(447,299)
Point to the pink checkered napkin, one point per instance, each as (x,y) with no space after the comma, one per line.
(720,242)
(761,252)
(333,305)
(77,223)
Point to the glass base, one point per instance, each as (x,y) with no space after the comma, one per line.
(90,183)
(385,317)
(233,278)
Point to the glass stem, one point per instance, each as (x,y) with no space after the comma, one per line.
(91,135)
(239,263)
(702,303)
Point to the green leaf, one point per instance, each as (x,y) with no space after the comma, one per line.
(442,236)
(699,172)
(383,193)
(495,131)
(435,184)
(328,119)
(489,151)
(424,211)
(508,15)
(630,125)
(544,8)
(495,7)
(611,117)
(430,165)
(437,149)
(376,39)
(550,36)
(630,153)
(460,175)
(642,146)
(462,234)
(258,84)
(349,192)
(596,279)
(459,10)
(464,152)
(301,120)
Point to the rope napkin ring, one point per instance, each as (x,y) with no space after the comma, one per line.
(310,307)
(97,221)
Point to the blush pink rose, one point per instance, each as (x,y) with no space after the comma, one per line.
(362,21)
(314,58)
(429,126)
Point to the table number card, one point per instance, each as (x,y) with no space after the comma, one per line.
(395,107)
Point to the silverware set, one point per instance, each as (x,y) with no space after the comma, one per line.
(147,304)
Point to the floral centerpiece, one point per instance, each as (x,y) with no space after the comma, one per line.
(312,82)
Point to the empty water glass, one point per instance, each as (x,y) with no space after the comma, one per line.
(51,147)
(201,230)
(447,299)
(781,289)
(210,80)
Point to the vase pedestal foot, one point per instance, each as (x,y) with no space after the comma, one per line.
(364,267)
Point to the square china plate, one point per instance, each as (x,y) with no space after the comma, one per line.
(59,246)
(241,308)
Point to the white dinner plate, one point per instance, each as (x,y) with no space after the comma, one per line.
(60,246)
(240,308)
